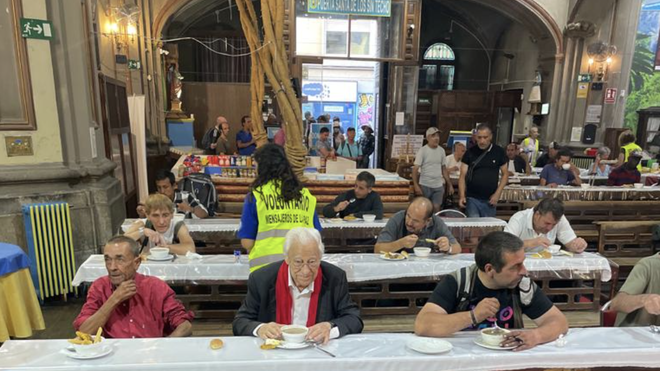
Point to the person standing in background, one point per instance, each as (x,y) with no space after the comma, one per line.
(530,145)
(480,185)
(368,145)
(429,173)
(337,133)
(222,144)
(349,148)
(244,141)
(628,145)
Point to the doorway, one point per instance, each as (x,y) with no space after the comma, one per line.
(344,89)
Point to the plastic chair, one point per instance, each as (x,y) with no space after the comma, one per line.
(607,316)
(450,213)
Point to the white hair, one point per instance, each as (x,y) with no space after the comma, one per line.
(303,235)
(604,151)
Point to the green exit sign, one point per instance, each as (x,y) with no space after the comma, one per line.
(133,64)
(36,29)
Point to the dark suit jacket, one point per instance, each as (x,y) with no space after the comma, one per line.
(334,302)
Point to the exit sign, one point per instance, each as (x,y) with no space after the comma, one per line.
(134,64)
(36,29)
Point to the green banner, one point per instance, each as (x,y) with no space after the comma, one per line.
(36,29)
(374,8)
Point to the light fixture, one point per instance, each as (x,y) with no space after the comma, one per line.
(131,30)
(601,54)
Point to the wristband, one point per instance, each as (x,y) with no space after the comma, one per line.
(474,318)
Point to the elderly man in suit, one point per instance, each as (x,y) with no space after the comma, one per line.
(302,290)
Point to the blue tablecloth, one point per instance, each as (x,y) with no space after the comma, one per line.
(12,258)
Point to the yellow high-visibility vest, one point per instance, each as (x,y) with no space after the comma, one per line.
(276,218)
(628,149)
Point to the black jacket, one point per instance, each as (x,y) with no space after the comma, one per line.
(334,302)
(369,205)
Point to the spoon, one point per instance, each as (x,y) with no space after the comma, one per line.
(655,329)
(351,201)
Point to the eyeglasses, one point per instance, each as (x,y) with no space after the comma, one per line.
(312,264)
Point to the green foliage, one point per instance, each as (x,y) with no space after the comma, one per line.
(644,82)
(642,63)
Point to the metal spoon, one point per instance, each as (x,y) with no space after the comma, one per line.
(351,201)
(655,329)
(318,347)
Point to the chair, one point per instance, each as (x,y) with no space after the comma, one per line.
(450,213)
(607,316)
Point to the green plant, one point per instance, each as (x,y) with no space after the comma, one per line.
(642,62)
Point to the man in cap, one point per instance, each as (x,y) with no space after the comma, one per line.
(429,172)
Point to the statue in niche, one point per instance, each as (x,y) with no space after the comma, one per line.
(174,83)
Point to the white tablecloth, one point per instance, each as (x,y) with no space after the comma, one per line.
(585,348)
(358,267)
(231,225)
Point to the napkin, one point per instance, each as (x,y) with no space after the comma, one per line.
(193,256)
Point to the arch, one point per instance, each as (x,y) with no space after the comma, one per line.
(531,15)
(439,52)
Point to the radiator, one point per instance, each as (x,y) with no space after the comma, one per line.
(50,247)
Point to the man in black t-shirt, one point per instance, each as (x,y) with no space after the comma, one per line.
(499,292)
(359,201)
(480,185)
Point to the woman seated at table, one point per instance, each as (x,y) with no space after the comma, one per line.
(599,167)
(160,228)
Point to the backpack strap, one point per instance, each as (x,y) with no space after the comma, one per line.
(465,278)
(177,227)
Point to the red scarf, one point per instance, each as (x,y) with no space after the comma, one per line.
(284,301)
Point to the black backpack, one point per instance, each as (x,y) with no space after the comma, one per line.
(202,187)
(207,139)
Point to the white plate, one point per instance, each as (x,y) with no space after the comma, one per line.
(402,258)
(285,345)
(71,353)
(429,345)
(168,257)
(480,343)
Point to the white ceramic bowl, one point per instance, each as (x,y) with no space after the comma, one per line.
(554,248)
(294,333)
(493,339)
(639,185)
(584,185)
(369,217)
(90,348)
(159,252)
(422,252)
(178,217)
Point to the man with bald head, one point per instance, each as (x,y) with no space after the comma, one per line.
(215,144)
(416,227)
(302,290)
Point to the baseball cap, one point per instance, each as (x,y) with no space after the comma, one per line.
(431,131)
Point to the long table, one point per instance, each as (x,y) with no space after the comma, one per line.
(596,193)
(338,236)
(371,279)
(585,348)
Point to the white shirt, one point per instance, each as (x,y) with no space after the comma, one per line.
(450,161)
(521,225)
(300,310)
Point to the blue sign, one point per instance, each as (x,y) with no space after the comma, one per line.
(312,89)
(374,8)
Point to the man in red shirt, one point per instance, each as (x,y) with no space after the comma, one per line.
(129,305)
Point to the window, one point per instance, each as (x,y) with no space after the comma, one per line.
(348,36)
(439,52)
(437,72)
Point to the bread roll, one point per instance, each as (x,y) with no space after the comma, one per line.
(217,344)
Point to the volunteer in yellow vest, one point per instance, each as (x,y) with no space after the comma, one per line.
(277,202)
(530,145)
(628,145)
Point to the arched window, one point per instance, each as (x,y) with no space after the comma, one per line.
(439,52)
(438,67)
